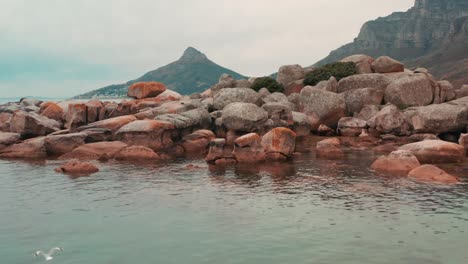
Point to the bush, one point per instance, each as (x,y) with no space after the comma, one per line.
(267,82)
(339,70)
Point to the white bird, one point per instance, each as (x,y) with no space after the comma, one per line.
(48,256)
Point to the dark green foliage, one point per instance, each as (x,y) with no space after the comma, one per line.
(267,82)
(339,70)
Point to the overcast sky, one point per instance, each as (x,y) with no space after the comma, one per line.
(61,48)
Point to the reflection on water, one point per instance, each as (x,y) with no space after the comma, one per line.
(303,211)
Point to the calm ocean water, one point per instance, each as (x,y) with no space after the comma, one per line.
(306,211)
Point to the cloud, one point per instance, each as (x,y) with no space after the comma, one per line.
(110,41)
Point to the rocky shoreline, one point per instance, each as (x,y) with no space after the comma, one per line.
(418,121)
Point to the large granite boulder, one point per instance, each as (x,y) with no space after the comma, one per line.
(171,107)
(95,111)
(363,63)
(7,139)
(249,149)
(197,142)
(145,90)
(52,110)
(290,73)
(368,112)
(416,90)
(76,116)
(61,144)
(390,120)
(462,92)
(193,119)
(326,106)
(153,134)
(432,174)
(372,80)
(399,162)
(29,149)
(436,151)
(351,127)
(303,124)
(356,99)
(244,117)
(112,124)
(279,143)
(233,95)
(95,151)
(32,124)
(447,91)
(279,113)
(330,85)
(385,64)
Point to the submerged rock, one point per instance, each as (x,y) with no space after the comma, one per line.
(329,149)
(77,168)
(432,174)
(399,162)
(136,154)
(95,151)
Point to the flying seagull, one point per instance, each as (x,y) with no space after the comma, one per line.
(48,256)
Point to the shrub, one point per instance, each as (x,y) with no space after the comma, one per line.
(339,70)
(267,82)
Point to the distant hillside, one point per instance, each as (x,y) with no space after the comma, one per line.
(432,34)
(192,73)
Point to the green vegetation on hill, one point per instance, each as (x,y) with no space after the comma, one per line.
(339,70)
(267,82)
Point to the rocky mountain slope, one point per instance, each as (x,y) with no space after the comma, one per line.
(432,34)
(192,73)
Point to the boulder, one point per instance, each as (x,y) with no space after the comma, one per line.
(363,63)
(5,117)
(351,127)
(367,112)
(279,113)
(290,73)
(193,119)
(95,111)
(98,135)
(399,162)
(329,149)
(275,98)
(142,90)
(197,142)
(61,144)
(219,153)
(32,124)
(326,106)
(416,90)
(390,120)
(123,108)
(279,143)
(233,95)
(372,80)
(112,124)
(29,149)
(356,99)
(136,154)
(30,102)
(249,149)
(295,102)
(436,151)
(432,174)
(95,151)
(302,124)
(7,139)
(77,168)
(385,64)
(463,141)
(447,91)
(422,137)
(52,110)
(76,116)
(331,85)
(171,107)
(244,117)
(324,130)
(462,92)
(294,87)
(154,134)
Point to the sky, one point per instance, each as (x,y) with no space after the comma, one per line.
(61,48)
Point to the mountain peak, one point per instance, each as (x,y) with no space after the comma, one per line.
(193,55)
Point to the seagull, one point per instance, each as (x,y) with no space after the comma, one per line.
(48,256)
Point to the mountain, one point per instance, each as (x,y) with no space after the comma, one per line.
(432,34)
(192,73)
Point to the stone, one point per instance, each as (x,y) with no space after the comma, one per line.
(447,91)
(385,64)
(331,85)
(61,144)
(351,127)
(95,151)
(52,110)
(30,102)
(142,90)
(32,124)
(279,113)
(436,151)
(410,91)
(29,149)
(290,73)
(197,142)
(244,117)
(432,174)
(295,102)
(112,124)
(294,87)
(422,137)
(463,141)
(7,138)
(399,162)
(462,92)
(121,109)
(390,120)
(219,153)
(324,130)
(326,106)
(242,83)
(77,168)
(98,135)
(329,149)
(367,112)
(76,116)
(171,107)
(153,134)
(195,119)
(356,99)
(372,80)
(363,63)
(279,143)
(275,98)
(233,95)
(302,124)
(136,154)
(248,149)
(95,111)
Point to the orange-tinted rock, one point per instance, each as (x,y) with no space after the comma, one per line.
(7,139)
(5,117)
(399,162)
(137,153)
(249,149)
(154,134)
(95,111)
(52,110)
(29,149)
(113,124)
(324,130)
(329,149)
(197,142)
(95,151)
(463,141)
(77,168)
(146,89)
(294,87)
(219,153)
(436,151)
(32,124)
(432,174)
(76,116)
(279,143)
(61,144)
(386,64)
